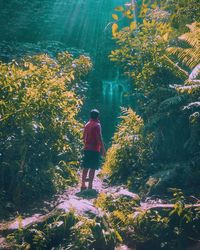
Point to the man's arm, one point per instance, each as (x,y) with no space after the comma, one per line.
(84,136)
(100,138)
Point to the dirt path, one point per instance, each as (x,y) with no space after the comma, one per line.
(81,202)
(71,198)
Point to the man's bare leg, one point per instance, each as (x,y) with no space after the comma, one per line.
(91,177)
(84,176)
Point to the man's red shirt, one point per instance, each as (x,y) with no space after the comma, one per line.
(92,135)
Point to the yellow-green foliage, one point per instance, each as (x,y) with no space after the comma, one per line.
(71,231)
(94,233)
(190,55)
(38,109)
(169,228)
(43,235)
(118,209)
(142,43)
(110,203)
(142,53)
(82,234)
(130,150)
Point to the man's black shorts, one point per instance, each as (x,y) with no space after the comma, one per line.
(91,159)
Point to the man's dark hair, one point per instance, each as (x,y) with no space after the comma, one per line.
(94,113)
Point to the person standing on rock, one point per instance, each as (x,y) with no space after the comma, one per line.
(93,147)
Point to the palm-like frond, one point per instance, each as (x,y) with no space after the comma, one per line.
(189,56)
(192,84)
(178,71)
(192,37)
(188,88)
(172,102)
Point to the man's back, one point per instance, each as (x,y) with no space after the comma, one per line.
(92,132)
(93,144)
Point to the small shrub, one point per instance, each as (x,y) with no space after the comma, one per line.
(128,158)
(156,228)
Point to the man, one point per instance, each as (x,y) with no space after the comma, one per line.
(93,145)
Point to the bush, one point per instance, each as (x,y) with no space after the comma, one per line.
(156,228)
(39,128)
(128,157)
(65,231)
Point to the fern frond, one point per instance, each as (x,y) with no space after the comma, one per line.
(191,39)
(189,56)
(189,89)
(192,84)
(172,102)
(178,71)
(193,26)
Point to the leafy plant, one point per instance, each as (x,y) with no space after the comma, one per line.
(39,128)
(146,227)
(190,55)
(165,91)
(94,233)
(127,158)
(142,44)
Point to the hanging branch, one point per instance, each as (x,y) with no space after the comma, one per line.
(129,6)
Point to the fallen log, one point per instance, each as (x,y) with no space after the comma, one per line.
(147,206)
(9,227)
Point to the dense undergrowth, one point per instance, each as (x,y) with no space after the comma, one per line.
(128,158)
(121,220)
(159,228)
(40,133)
(155,147)
(66,231)
(158,146)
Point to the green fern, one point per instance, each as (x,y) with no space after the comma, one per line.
(190,89)
(172,102)
(192,37)
(176,69)
(189,56)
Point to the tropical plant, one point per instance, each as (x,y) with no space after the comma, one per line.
(45,235)
(145,53)
(39,128)
(153,228)
(140,52)
(127,158)
(189,54)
